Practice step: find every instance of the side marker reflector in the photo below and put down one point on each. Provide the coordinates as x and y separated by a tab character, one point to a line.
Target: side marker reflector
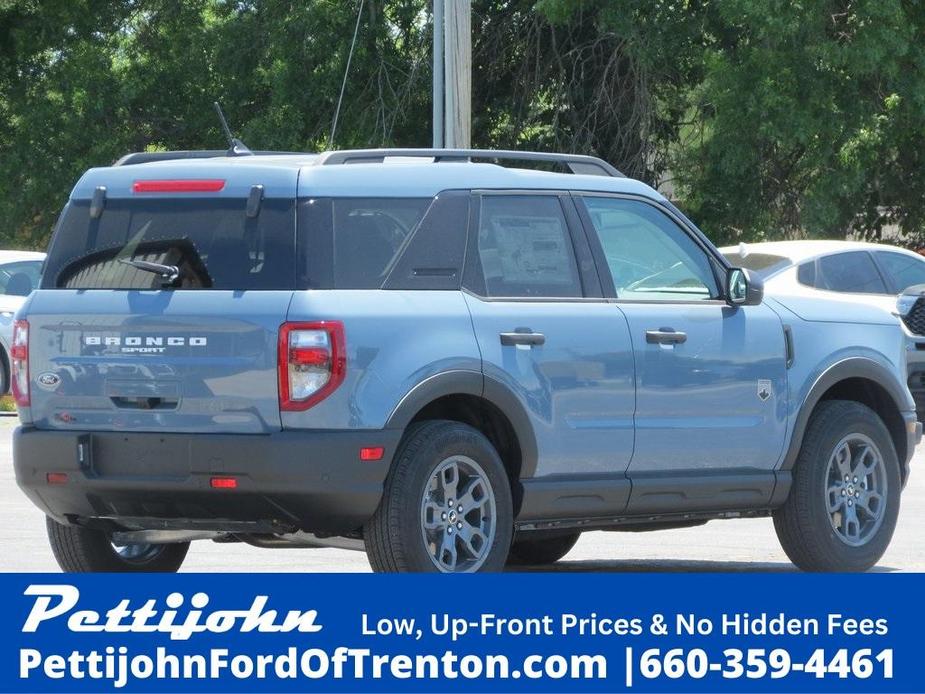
372	453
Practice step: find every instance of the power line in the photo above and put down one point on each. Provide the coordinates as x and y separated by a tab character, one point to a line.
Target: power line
343	84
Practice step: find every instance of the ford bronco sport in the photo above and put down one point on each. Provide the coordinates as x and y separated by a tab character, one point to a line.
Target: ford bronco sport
451	362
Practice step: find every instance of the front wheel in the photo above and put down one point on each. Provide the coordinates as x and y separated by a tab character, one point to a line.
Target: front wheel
84	550
446	506
842	509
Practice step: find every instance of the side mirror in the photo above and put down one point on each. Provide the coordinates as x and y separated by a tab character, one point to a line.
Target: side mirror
742	289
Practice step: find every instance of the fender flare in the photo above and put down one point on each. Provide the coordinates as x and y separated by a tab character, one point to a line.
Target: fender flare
852	367
465	382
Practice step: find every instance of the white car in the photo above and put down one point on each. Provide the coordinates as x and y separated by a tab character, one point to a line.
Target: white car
20	272
868	273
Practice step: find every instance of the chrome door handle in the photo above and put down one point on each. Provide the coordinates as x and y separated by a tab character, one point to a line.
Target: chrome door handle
523	338
665	336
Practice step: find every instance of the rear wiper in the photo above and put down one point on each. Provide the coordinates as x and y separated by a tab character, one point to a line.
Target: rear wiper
170	273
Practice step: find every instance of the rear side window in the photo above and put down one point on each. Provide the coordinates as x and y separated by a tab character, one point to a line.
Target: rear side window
369	237
806	273
905	270
525	249
850	272
213	243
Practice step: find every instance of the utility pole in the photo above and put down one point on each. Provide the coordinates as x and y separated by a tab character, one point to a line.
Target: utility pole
438	97
458	73
452	88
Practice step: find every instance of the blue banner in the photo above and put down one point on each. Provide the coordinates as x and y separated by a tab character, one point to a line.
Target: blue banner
491	633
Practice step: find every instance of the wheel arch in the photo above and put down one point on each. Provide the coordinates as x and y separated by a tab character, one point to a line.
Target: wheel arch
867	382
483	403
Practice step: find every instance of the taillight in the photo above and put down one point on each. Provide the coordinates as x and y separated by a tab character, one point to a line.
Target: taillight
19	362
312	363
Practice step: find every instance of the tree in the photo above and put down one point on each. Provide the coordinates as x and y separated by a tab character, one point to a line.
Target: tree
82	83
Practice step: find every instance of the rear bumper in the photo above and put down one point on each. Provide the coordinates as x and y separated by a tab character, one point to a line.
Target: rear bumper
312	481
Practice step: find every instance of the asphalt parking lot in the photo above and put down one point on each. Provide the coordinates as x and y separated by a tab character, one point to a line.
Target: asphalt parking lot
740	545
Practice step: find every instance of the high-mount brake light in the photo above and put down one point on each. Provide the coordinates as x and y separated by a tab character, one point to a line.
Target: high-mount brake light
312	363
190	185
19	363
223	483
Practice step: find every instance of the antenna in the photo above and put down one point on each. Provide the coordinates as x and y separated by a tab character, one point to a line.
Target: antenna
236	148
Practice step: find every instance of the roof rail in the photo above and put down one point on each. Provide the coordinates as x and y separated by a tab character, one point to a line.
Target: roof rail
576	163
145	157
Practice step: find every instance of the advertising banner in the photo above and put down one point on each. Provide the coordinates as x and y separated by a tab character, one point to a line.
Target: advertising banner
486	633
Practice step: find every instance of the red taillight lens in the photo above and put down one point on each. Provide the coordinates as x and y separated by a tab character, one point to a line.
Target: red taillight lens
19	363
198	185
56	478
312	363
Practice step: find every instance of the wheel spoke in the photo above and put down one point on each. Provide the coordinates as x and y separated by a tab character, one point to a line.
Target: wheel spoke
843	459
866	464
851	527
473	540
449	479
836	498
447	552
473	496
431	516
870	502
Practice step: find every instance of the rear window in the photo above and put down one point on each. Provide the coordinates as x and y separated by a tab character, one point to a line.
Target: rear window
212	243
850	272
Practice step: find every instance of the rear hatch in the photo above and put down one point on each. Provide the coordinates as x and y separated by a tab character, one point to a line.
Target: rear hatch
118	343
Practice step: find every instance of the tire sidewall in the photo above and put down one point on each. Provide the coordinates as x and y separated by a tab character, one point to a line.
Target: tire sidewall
443	442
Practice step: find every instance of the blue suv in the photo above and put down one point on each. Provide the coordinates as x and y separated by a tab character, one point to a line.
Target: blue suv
448	361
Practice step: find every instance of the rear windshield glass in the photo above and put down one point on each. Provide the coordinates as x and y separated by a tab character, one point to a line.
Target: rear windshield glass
212	244
761	264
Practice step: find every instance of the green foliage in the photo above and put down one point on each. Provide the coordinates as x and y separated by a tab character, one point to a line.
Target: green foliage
82	83
769	118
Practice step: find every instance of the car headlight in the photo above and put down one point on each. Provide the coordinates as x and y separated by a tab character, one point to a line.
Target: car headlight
905	302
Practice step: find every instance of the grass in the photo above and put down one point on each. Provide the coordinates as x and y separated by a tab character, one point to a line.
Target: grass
7	404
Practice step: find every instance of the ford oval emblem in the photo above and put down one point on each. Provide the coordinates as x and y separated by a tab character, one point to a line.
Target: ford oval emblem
48	380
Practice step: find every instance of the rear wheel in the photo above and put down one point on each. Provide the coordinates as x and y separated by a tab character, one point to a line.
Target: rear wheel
844	503
542	550
84	550
446	506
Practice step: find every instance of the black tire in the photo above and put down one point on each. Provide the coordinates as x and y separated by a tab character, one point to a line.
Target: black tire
83	550
541	551
804	524
394	535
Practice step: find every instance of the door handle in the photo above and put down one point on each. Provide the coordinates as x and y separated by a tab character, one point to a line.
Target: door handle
665	336
523	338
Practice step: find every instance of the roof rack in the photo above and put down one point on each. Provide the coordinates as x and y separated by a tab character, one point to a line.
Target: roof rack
576	163
145	157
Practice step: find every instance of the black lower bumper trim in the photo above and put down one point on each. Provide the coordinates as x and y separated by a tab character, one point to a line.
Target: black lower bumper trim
290	480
